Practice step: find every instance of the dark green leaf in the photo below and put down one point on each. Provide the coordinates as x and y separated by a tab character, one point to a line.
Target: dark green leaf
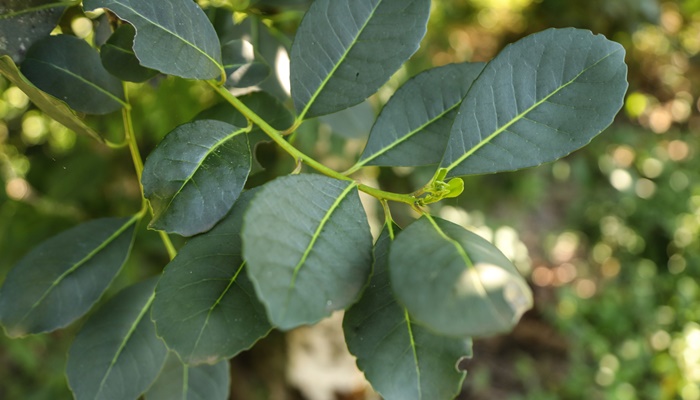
308	247
539	99
345	50
119	59
117	355
195	175
402	360
51	106
352	123
204	382
454	281
69	69
414	126
173	36
205	307
244	66
22	22
60	280
266	106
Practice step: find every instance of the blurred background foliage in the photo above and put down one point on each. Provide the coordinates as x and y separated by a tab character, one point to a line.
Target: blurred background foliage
608	237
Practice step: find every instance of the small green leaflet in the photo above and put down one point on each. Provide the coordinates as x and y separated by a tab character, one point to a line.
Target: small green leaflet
205	307
69	69
402	360
60	280
345	50
195	175
454	282
116	355
540	99
172	36
51	106
308	247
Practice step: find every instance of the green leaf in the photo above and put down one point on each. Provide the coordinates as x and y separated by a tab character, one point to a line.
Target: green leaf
116	355
308	247
118	56
172	36
265	105
195	175
60	280
455	282
51	106
539	99
402	360
414	126
23	22
178	381
345	50
69	69
352	123
205	307
244	66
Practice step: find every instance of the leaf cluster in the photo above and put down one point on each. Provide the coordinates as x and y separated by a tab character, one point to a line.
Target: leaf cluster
294	250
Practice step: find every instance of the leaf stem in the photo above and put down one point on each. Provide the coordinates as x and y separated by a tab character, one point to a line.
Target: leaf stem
130	139
277	137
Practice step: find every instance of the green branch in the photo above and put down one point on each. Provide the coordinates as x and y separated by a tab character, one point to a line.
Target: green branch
277	137
39	8
130	139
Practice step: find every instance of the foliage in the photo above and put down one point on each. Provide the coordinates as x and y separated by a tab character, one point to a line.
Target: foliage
290	251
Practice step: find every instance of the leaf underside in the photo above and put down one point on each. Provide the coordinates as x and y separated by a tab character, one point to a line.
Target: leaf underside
205	307
60	280
437	265
308	247
402	360
540	99
344	50
50	105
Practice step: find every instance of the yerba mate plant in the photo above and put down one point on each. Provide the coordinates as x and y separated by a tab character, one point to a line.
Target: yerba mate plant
295	249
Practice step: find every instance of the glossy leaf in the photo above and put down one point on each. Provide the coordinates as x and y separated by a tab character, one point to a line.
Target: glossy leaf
205	307
69	69
345	50
116	355
172	36
308	247
204	382
402	360
414	126
243	65
352	123
118	56
540	99
454	281
50	105
60	280
195	175
23	22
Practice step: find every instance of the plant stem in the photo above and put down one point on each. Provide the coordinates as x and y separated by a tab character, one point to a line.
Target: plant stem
130	139
277	137
39	8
